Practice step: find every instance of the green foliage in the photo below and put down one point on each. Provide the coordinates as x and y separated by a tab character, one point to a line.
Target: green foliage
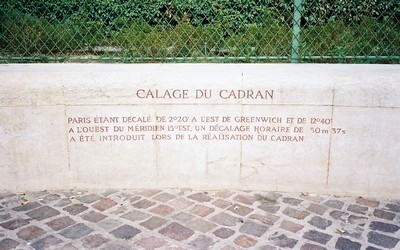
197	28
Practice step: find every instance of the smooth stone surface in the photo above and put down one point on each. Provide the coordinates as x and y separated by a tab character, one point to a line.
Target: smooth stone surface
334	129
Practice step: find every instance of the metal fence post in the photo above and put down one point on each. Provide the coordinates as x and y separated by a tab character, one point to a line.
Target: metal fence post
296	31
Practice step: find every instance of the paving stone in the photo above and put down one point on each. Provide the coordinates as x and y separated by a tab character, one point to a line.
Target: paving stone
316	208
30	233
291	226
201	225
366	202
200	197
283	241
384	227
221	203
4	217
63	203
357	209
313	198
228	247
95	240
90	198
269	209
245	199
294	213
202	243
42	213
176	231
346	244
75	209
118	246
153	223
268	219
151	242
162	210
252	228
164	197
224	232
223	194
50	198
382	240
316	236
268	198
201	210
309	246
267	248
393	207
338	215
109	192
27	207
240	210
130	198
149	192
60	223
320	222
76	231
14	223
334	204
69	246
180	203
384	214
225	219
109	224
104	204
357	220
125	232
7	244
46	243
292	201
354	232
135	215
93	216
245	241
6	195
183	217
143	204
372	248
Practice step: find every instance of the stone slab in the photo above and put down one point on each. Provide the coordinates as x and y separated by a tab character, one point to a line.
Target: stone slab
280	127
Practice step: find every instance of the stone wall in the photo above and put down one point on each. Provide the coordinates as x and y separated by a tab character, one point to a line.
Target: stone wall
298	128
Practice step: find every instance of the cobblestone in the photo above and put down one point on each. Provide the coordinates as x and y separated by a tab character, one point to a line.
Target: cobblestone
384	214
283	241
245	241
320	223
316	236
43	213
291	212
384	227
185	219
346	244
357	209
30	233
252	228
153	223
224	232
317	209
382	240
46	243
176	231
125	232
76	231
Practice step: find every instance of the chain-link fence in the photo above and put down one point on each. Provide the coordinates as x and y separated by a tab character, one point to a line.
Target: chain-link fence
357	31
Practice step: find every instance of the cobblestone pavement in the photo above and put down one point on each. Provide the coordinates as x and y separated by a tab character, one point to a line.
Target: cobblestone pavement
185	219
